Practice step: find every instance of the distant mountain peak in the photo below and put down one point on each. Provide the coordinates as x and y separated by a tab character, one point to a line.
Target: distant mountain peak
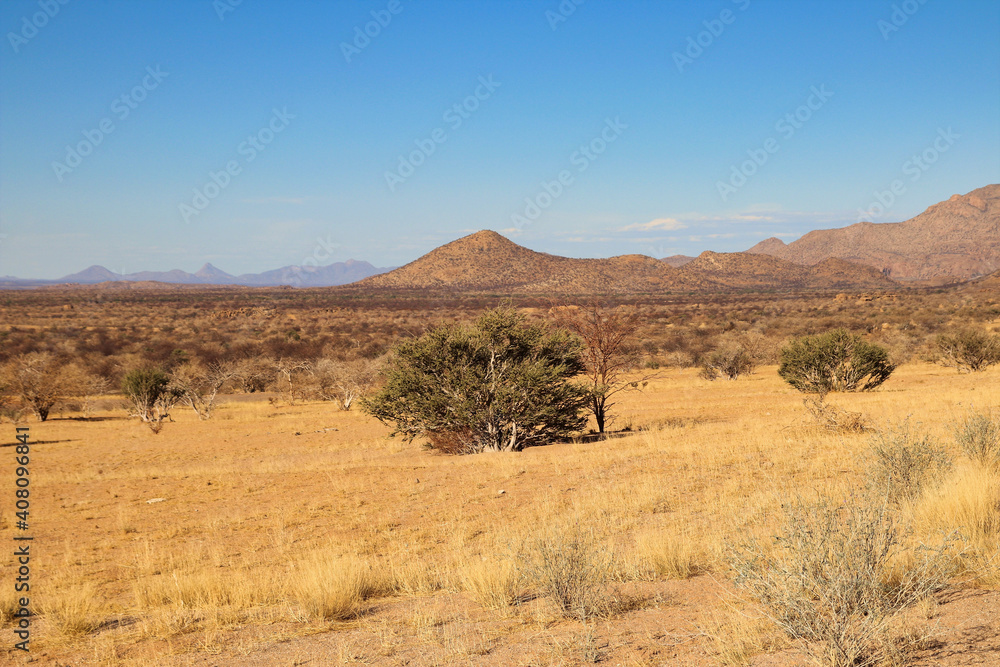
339	273
209	272
956	239
488	261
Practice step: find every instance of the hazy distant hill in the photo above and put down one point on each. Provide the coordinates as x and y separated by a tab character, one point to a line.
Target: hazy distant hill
747	271
339	273
955	239
677	261
488	261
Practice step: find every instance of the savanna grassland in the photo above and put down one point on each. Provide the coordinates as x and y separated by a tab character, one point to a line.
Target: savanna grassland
285	530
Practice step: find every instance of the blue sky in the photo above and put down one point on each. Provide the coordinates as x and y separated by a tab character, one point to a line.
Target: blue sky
252	135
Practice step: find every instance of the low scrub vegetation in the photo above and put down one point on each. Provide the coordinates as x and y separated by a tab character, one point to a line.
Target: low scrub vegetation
834	361
978	435
840	576
969	350
500	385
904	460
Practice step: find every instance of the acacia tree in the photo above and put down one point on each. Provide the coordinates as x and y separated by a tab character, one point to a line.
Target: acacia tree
198	385
149	396
834	361
608	353
343	381
969	350
499	385
40	380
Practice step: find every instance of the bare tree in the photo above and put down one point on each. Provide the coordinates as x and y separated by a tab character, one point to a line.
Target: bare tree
40	380
343	381
290	370
609	353
91	386
355	379
199	385
254	374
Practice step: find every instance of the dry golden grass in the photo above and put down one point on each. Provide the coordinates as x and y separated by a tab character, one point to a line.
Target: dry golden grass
494	583
968	502
329	588
273	526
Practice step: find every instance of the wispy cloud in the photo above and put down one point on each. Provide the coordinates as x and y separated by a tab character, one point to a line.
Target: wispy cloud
296	201
659	224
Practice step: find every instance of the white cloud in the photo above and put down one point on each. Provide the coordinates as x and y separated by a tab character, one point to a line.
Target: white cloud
276	200
660	224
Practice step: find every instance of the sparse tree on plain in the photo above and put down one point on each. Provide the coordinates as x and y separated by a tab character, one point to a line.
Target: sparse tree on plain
968	351
149	396
291	370
41	380
254	374
199	385
499	385
608	353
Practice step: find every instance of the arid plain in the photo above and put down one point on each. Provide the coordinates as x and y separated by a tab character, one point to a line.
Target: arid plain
286	531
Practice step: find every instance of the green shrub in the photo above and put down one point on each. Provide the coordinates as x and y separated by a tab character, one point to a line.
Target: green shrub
969	350
834	361
499	385
149	395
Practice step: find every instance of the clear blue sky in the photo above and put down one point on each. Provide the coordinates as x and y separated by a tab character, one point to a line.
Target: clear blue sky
662	130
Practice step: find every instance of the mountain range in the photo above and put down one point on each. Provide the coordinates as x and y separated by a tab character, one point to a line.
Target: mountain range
952	241
339	273
957	239
487	261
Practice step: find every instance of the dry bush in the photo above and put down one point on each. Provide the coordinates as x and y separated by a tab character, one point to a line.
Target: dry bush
969	351
902	461
978	434
494	584
198	385
728	362
831	418
254	374
40	380
567	566
736	355
343	381
839	578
